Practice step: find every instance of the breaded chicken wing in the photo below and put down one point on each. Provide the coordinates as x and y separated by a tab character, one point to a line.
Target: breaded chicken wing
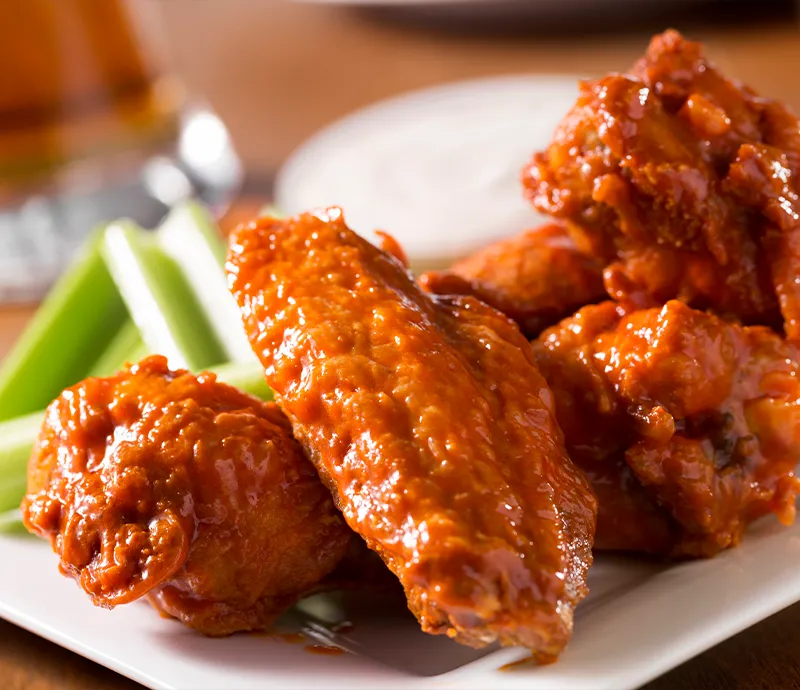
159	483
685	184
429	421
688	426
536	278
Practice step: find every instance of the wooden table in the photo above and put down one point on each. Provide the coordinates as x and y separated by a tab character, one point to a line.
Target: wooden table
278	71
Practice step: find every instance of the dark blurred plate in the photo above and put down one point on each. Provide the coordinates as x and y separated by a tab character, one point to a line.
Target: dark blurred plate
414	9
568	17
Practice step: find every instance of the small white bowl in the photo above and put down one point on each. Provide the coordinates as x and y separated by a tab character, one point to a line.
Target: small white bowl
438	168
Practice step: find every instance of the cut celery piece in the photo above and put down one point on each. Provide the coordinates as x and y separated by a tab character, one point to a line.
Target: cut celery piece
246	376
193	241
126	347
193	223
12	490
159	299
17	437
11	522
74	325
270	210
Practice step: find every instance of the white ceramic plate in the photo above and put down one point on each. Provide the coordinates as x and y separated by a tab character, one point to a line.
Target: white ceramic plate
639	621
438	169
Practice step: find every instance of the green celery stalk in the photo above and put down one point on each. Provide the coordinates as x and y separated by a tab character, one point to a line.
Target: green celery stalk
246	376
12	490
193	241
17	437
270	210
159	299
126	347
11	522
74	325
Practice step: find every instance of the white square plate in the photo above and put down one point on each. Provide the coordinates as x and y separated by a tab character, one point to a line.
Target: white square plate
639	621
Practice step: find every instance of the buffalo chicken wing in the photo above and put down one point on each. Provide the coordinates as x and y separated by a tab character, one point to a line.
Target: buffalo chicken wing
688	426
685	184
156	482
429	421
536	278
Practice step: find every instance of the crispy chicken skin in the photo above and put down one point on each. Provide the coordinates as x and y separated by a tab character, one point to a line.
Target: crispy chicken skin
429	421
536	278
688	426
684	183
156	482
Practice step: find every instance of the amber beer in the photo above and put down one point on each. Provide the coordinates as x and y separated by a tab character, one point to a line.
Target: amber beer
78	79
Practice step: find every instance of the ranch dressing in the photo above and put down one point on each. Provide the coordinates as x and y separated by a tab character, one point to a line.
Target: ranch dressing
438	169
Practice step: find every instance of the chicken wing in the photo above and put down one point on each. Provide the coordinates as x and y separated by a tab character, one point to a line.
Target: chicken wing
688	426
156	482
536	278
685	184
427	418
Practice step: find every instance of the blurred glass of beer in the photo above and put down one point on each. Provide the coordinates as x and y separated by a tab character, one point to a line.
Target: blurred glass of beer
92	127
79	78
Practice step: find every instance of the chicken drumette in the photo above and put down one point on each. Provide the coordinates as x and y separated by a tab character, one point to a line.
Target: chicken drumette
429	421
536	278
160	483
685	184
688	426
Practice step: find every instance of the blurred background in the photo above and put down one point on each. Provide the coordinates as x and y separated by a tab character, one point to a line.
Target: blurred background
124	107
277	71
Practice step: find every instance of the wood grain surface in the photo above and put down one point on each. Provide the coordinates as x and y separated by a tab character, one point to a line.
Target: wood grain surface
277	71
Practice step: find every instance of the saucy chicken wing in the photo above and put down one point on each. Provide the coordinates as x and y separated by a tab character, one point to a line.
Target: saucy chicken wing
536	278
429	421
688	426
160	483
685	184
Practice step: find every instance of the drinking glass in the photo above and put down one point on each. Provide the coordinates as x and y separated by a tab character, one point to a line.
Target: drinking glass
93	126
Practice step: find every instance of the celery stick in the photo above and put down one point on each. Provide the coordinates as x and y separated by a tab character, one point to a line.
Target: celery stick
12	490
247	377
11	522
126	347
17	437
76	322
193	241
159	299
271	211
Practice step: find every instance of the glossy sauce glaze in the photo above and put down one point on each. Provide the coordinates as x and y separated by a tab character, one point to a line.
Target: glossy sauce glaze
688	426
684	183
536	278
157	482
431	424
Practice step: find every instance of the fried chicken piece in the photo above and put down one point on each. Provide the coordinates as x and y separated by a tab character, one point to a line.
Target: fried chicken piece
536	278
685	184
159	483
688	426
429	421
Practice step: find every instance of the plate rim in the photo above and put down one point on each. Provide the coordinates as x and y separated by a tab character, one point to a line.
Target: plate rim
777	592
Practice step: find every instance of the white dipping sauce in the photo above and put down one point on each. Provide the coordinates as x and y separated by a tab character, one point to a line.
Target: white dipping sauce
438	169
